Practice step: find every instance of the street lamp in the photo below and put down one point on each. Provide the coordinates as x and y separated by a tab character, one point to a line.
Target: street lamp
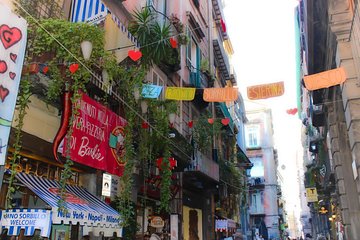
144	106
86	49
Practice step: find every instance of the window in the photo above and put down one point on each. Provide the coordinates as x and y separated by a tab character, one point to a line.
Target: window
258	169
193	58
159	6
252	136
157	80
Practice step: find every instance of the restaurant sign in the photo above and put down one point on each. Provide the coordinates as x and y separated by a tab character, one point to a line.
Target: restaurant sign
98	137
265	91
27	219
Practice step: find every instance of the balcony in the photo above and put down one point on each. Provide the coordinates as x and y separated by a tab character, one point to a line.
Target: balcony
221	59
199	79
256	182
203	164
257	209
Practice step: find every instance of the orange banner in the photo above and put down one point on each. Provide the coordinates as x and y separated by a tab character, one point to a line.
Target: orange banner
227	94
265	91
325	79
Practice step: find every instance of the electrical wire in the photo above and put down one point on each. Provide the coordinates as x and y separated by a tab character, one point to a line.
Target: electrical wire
100	80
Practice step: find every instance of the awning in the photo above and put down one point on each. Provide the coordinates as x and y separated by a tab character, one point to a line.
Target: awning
224	225
95	11
83	207
87	10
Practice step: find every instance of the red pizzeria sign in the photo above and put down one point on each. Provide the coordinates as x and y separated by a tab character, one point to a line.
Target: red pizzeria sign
98	137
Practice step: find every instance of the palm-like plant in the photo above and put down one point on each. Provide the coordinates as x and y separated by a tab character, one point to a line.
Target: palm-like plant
152	36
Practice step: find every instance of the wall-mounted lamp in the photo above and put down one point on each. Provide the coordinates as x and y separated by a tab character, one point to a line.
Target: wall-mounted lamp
136	94
172	117
144	106
86	49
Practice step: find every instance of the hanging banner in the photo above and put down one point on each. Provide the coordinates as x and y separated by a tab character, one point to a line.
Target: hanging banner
98	137
227	94
265	91
325	79
178	93
27	219
13	31
151	91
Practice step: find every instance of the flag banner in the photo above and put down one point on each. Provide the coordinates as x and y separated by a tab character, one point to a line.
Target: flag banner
179	93
98	137
227	94
264	91
151	91
13	34
325	79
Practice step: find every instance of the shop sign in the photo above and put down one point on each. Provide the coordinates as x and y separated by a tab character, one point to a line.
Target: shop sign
13	31
265	91
27	219
174	227
84	217
157	222
106	185
311	195
98	137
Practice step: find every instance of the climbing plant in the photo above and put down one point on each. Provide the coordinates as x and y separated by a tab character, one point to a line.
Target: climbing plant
22	103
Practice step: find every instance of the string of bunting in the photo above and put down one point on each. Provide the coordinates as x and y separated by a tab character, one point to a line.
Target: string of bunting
227	94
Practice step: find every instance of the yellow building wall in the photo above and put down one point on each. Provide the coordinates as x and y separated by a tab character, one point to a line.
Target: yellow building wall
115	38
186	225
41	120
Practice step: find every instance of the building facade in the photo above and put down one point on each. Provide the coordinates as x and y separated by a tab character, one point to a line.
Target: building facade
206	185
263	185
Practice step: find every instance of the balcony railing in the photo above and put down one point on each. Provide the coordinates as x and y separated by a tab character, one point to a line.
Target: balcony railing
203	164
257	210
258	181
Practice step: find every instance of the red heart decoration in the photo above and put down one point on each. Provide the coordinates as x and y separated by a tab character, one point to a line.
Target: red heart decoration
9	36
190	124
145	125
3	93
173	42
12	75
134	55
3	66
45	69
210	120
13	57
225	121
294	111
74	67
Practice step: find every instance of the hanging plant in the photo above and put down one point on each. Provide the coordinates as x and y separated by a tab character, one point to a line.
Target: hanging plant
153	38
22	103
204	131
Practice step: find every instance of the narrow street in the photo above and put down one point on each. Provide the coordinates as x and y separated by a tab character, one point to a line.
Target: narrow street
179	120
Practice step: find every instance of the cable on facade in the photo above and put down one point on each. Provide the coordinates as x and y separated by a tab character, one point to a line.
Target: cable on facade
98	78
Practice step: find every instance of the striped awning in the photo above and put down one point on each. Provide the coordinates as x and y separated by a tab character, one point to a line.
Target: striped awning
82	207
95	11
86	10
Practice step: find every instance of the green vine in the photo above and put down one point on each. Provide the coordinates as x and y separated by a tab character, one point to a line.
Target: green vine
22	103
203	132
